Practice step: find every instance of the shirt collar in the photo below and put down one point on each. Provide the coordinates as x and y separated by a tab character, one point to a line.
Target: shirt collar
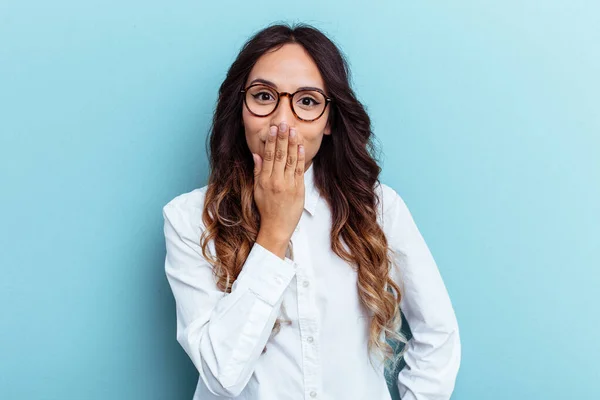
311	193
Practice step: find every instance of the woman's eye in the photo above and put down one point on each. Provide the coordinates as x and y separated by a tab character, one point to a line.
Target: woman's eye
308	101
262	96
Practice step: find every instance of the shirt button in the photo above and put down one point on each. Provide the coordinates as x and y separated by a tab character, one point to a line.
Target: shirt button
313	394
278	280
296	229
309	340
305	283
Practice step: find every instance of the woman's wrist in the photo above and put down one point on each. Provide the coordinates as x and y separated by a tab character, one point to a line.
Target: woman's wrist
276	244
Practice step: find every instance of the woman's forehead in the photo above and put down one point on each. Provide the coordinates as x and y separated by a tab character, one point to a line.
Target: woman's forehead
287	68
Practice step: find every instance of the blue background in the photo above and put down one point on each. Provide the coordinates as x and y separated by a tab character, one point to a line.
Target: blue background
488	113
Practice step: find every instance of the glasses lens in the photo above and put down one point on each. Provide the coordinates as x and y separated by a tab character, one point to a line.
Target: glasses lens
309	104
261	100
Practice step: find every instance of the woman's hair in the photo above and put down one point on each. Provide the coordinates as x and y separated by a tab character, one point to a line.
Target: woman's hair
230	214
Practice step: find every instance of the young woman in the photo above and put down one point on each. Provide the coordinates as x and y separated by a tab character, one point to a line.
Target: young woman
290	268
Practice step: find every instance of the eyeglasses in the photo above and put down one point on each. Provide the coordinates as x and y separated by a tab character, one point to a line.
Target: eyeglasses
307	105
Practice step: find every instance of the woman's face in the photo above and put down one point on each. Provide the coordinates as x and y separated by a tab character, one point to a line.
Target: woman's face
288	68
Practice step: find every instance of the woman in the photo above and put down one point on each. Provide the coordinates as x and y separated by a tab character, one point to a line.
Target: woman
290	268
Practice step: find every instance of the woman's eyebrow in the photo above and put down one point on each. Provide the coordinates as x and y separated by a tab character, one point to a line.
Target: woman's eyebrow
267	82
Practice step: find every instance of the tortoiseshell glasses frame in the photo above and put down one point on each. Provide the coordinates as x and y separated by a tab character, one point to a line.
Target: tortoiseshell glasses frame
290	96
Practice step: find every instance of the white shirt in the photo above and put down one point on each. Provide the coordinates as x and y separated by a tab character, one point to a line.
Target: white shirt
322	354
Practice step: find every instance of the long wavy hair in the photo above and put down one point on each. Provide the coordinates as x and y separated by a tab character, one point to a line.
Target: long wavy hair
230	215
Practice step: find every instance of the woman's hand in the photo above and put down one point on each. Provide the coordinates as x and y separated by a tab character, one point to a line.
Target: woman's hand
279	187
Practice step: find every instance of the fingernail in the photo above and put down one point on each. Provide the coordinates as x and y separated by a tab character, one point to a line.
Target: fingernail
283	127
292	132
273	131
301	149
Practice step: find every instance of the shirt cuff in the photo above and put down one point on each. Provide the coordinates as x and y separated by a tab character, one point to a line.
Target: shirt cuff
266	274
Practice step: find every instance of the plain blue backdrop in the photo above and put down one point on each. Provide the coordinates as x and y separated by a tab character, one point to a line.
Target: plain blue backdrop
488	115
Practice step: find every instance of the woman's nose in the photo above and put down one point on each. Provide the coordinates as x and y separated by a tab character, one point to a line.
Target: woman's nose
284	113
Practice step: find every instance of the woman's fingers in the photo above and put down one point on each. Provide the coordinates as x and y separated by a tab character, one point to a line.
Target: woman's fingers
300	164
269	155
281	151
284	156
292	155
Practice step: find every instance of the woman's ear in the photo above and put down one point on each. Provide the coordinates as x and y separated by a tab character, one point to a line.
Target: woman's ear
327	130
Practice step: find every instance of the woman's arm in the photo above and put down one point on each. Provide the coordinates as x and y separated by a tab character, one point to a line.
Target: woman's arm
434	352
223	334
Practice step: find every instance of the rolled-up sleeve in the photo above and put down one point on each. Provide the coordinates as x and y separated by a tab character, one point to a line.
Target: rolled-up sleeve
433	353
222	333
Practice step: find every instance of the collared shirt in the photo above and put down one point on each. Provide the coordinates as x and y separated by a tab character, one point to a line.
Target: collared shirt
321	354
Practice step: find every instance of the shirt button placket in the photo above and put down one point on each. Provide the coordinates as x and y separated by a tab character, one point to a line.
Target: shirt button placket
308	324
